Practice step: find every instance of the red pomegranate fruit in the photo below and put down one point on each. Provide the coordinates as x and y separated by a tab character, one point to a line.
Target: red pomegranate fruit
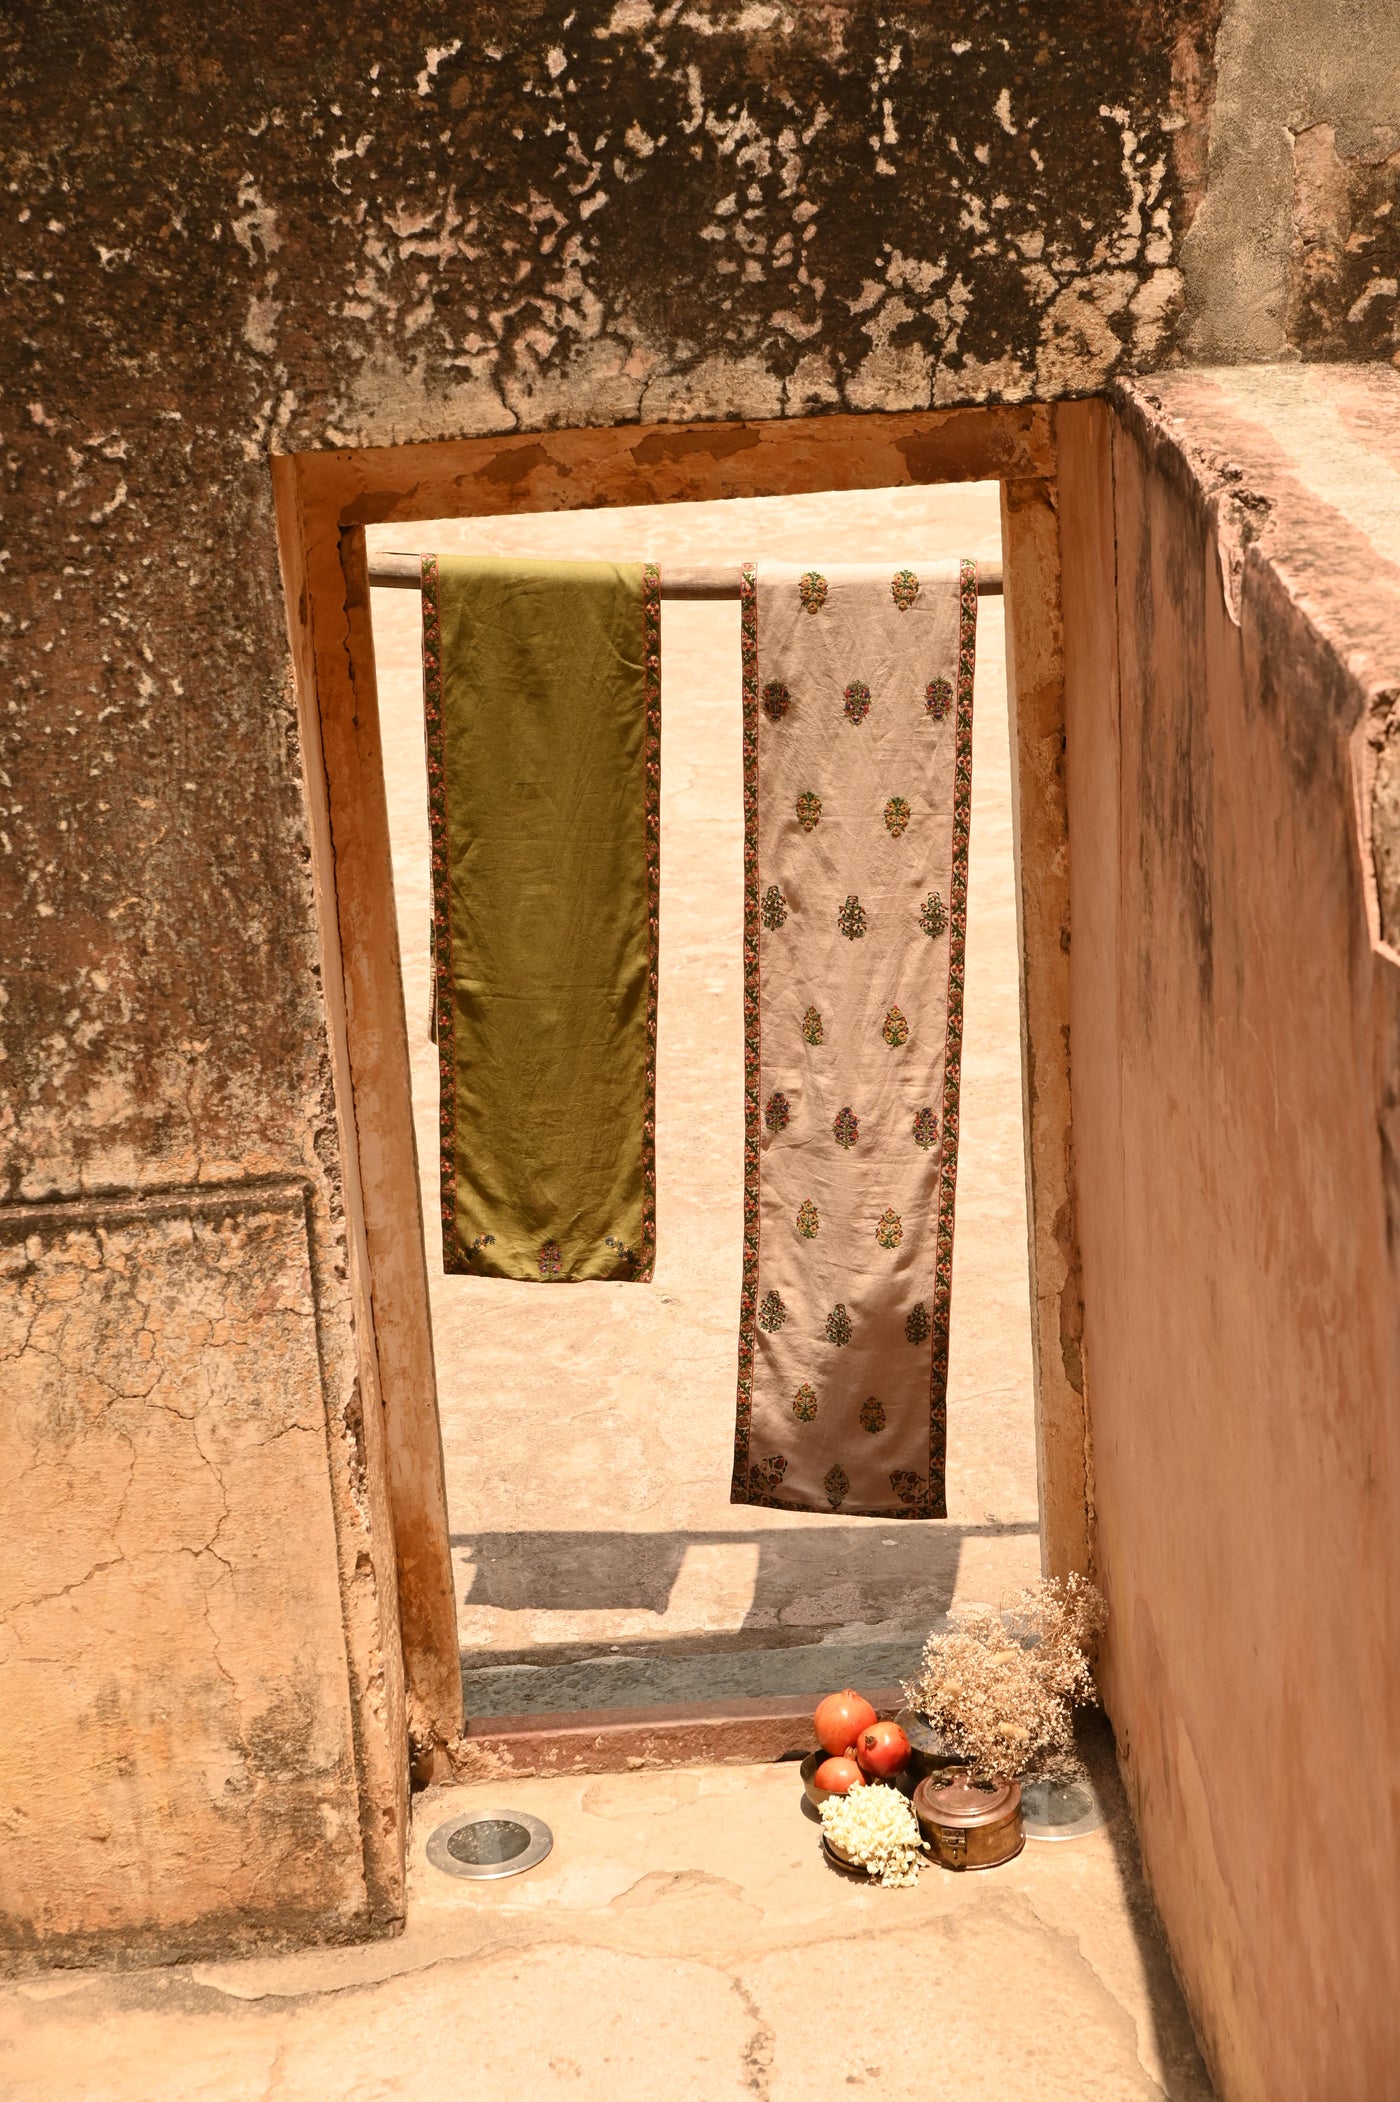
883	1750
839	1720
839	1776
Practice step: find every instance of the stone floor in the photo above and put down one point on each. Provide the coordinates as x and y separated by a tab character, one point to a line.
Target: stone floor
588	1433
685	1938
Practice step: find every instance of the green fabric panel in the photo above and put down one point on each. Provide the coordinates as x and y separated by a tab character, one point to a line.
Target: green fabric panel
542	688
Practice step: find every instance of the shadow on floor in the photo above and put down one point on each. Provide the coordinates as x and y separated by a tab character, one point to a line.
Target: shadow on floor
1186	2077
779	1583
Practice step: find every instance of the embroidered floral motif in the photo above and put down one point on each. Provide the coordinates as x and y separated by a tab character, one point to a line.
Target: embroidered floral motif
809	810
808	1220
857	701
483	1240
838	1326
933	915
811	1027
626	1256
904	589
550	1257
938	697
776	700
811	589
777	1111
889	1229
896	1029
853	918
896	816
910	1488
925	1128
766	1476
836	1484
917	1328
771	1312
804	1403
872	1415
846	1129
774	908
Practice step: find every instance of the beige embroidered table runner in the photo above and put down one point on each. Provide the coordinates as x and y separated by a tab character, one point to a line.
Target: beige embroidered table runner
857	791
542	692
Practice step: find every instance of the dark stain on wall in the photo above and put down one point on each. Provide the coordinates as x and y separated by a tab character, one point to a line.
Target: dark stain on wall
1344	257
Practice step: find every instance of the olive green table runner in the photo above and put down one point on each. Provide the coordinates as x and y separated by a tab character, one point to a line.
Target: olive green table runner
857	796
542	695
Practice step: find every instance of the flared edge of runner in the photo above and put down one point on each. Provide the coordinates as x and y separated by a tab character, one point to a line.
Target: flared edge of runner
740	1491
952	1055
453	1260
651	791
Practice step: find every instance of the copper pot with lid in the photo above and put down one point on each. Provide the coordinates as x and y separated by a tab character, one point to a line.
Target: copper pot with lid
967	1823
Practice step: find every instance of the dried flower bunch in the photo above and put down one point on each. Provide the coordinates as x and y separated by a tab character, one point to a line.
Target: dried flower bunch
876	1829
1001	1687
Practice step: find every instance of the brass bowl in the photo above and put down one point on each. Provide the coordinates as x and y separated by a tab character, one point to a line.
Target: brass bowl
840	1857
906	1782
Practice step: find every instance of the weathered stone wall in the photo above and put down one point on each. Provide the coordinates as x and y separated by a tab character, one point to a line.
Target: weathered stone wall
1296	246
165	1425
1232	620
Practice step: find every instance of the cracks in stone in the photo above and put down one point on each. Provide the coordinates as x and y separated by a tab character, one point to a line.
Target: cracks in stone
47	1598
758	2051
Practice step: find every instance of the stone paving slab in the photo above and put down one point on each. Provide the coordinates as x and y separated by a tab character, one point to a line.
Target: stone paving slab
685	1937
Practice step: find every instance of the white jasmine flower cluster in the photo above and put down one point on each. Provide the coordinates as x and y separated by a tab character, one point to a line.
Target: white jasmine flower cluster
876	1828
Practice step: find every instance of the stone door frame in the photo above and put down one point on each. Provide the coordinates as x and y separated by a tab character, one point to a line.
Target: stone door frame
324	502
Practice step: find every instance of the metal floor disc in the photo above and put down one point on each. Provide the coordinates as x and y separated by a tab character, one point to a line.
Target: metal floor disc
485	1844
1059	1810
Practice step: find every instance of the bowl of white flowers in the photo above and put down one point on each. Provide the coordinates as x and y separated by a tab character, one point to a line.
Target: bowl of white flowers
874	1829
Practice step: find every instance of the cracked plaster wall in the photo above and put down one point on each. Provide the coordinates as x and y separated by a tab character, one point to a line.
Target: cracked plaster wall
178	1760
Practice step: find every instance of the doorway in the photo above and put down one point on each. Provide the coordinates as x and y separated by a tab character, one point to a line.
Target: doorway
325	503
587	1434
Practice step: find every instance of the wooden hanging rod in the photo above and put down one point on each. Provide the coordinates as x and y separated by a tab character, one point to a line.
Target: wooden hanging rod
677	581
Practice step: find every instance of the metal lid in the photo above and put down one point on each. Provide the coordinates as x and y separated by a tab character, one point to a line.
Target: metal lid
963	1801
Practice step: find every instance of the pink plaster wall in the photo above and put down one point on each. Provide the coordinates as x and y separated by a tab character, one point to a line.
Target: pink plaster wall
1235	1057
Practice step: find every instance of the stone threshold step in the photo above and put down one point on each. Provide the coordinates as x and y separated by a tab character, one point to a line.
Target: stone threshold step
637	1678
622	1740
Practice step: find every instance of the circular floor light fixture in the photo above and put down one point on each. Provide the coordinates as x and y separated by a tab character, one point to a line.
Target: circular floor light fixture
484	1844
1059	1810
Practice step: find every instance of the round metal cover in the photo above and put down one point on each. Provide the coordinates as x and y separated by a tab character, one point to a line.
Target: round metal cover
489	1843
1059	1810
963	1801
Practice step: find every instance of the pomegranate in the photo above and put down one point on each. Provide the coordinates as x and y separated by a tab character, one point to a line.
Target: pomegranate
883	1750
839	1720
839	1776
